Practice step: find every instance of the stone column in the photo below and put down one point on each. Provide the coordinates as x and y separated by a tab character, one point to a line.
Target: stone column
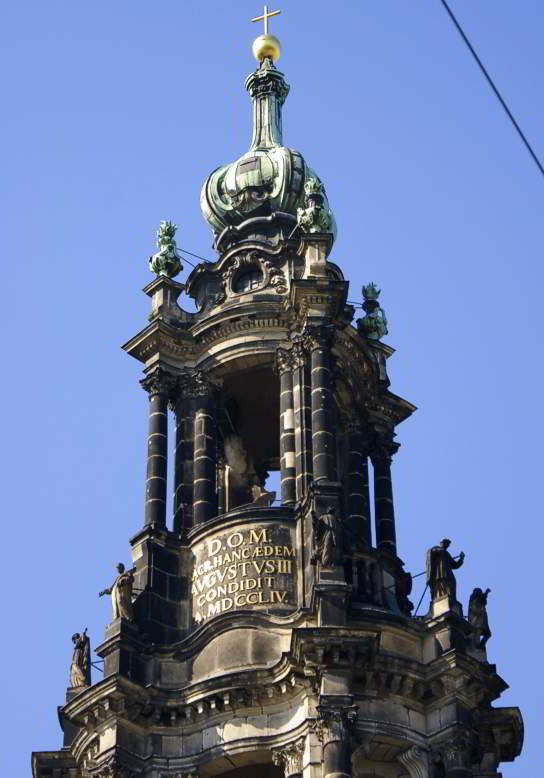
303	419
158	385
179	406
205	451
358	495
287	428
221	487
381	455
323	438
289	758
333	728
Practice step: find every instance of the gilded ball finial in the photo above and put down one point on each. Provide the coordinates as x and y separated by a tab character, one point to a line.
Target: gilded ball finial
266	46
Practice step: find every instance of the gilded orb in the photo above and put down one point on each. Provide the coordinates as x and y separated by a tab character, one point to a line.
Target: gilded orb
266	46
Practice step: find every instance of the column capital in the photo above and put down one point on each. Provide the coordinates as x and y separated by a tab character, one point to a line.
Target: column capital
456	752
334	724
298	352
284	360
197	384
383	446
158	382
289	757
318	336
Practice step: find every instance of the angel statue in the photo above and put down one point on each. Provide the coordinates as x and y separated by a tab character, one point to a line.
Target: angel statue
80	669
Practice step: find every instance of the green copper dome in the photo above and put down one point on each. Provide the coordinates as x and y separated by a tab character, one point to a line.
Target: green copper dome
269	179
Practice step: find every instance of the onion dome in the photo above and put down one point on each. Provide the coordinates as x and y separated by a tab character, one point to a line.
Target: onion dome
268	180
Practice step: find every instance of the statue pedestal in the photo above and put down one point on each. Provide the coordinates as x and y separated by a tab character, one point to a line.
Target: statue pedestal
332	593
121	627
444	605
73	691
334	575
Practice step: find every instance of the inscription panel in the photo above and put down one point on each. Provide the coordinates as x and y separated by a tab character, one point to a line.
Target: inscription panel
249	567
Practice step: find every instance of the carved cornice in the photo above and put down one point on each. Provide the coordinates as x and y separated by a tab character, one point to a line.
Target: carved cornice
289	757
223	331
113	766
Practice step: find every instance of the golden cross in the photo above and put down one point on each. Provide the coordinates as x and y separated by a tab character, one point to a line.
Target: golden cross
265	17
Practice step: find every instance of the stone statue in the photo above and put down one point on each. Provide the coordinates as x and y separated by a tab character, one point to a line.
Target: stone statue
121	594
477	616
440	567
374	324
315	216
80	669
328	538
243	477
166	262
261	497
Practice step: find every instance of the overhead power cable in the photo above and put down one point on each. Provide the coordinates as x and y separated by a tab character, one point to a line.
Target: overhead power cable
493	87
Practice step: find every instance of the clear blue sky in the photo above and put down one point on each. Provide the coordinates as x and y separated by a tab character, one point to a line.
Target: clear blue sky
114	113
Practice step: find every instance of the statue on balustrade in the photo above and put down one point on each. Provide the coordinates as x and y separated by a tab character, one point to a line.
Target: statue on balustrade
328	538
80	669
440	566
121	594
477	616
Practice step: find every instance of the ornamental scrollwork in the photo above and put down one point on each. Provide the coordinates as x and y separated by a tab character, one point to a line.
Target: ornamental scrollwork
416	761
271	275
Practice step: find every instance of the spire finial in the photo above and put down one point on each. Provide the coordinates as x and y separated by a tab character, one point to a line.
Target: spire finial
266	46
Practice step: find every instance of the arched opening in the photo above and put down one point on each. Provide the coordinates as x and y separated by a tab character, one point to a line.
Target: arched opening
249	764
249	424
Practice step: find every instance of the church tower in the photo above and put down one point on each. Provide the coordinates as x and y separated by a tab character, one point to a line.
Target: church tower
264	634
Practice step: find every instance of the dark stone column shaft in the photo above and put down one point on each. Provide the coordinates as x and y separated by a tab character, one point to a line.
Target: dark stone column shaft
181	517
358	494
287	429
187	454
323	438
204	459
386	539
221	488
158	385
303	421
